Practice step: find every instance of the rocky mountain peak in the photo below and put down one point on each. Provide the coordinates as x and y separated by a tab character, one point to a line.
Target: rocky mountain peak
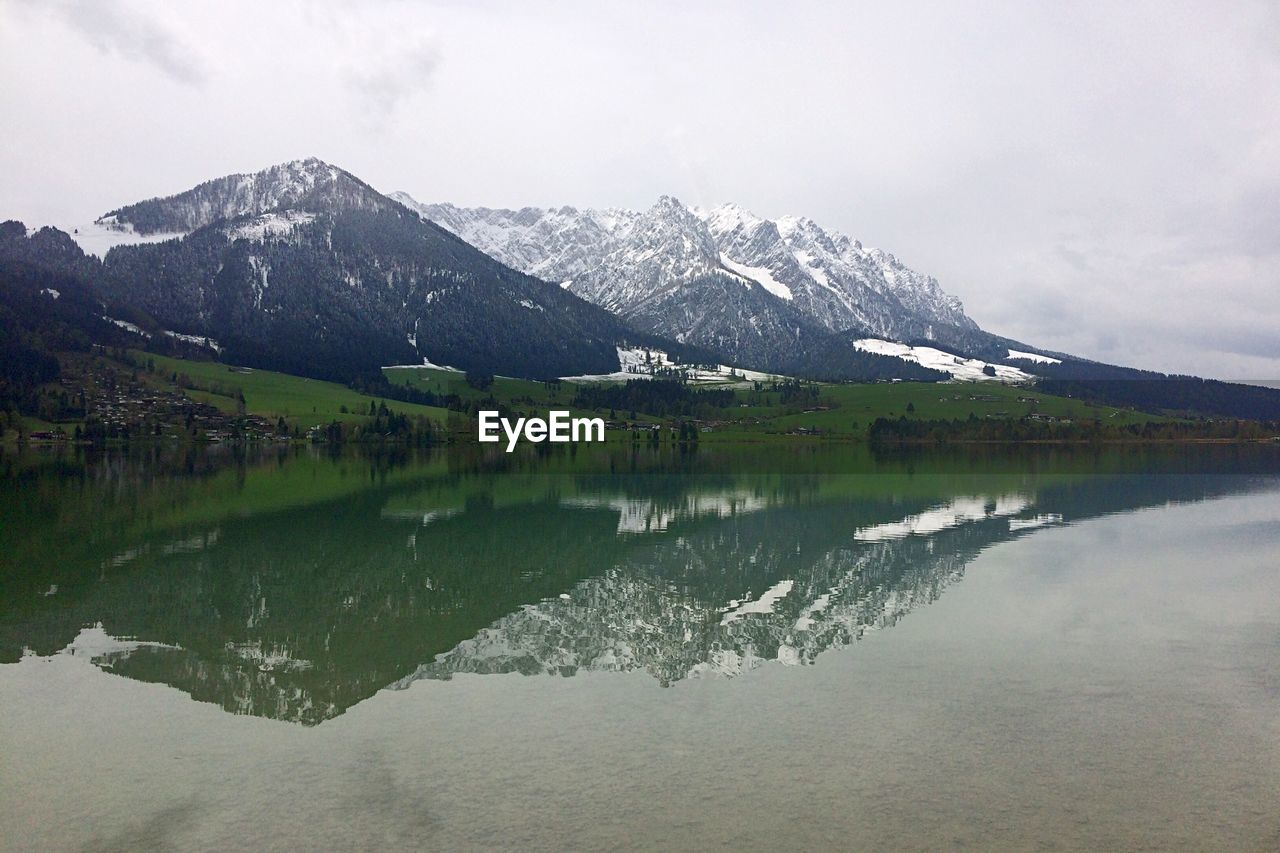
787	273
308	185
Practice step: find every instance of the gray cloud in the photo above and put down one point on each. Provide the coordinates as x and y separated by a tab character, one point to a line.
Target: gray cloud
395	76
120	28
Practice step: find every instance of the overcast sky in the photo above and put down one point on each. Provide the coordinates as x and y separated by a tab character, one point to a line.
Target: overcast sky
1100	179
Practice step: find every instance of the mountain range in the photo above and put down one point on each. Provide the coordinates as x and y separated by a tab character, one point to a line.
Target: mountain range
723	278
756	293
627	260
305	268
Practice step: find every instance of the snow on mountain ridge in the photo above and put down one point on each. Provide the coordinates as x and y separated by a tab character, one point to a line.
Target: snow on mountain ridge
625	260
309	185
834	278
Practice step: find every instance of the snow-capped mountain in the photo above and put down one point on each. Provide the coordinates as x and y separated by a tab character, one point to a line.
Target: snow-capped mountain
659	269
303	267
721	278
309	185
830	277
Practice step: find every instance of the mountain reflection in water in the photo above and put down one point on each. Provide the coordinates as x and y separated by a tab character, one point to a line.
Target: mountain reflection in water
324	589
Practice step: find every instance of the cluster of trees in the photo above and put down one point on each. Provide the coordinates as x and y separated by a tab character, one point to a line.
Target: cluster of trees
375	384
686	432
23	369
96	431
10	419
683	434
796	393
658	397
388	425
36	325
912	431
395	427
479	380
1175	394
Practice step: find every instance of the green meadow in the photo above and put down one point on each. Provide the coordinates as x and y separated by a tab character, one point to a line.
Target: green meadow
273	395
838	409
759	411
504	388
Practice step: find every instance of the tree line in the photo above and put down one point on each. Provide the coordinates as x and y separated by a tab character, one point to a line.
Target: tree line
903	430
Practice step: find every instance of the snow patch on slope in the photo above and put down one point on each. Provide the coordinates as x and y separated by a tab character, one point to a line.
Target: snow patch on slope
127	326
758	274
198	340
99	238
1033	356
267	225
965	369
426	362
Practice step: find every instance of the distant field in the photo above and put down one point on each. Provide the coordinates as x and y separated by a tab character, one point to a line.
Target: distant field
842	406
274	395
760	410
504	388
839	409
523	394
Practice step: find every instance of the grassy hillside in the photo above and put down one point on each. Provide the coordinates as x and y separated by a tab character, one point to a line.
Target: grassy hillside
525	395
723	412
756	410
504	388
273	395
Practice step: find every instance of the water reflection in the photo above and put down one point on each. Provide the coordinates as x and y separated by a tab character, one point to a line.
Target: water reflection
294	588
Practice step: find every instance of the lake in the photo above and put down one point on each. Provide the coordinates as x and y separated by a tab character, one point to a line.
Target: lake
748	648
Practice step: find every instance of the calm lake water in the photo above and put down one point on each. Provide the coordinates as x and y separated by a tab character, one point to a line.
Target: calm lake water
746	649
